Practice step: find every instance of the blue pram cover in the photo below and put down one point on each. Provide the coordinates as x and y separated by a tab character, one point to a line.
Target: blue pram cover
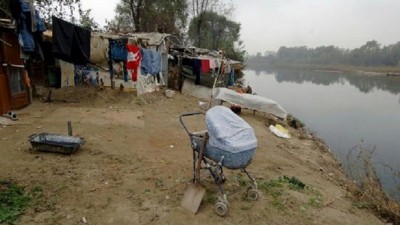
230	137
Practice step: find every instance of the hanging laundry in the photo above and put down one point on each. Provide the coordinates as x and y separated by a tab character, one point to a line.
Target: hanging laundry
151	62
218	64
133	60
212	63
26	39
156	61
205	66
164	66
28	23
197	70
187	62
118	50
118	69
232	77
118	53
146	61
70	43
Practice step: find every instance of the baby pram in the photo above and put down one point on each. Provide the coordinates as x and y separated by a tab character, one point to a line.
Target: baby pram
230	143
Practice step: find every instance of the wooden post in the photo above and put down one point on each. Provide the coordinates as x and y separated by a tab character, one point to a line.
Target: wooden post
69	128
220	71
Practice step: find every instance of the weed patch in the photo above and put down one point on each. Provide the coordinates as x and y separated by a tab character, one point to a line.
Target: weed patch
210	197
278	190
13	201
315	201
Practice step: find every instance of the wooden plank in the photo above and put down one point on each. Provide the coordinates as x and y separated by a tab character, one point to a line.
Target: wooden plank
5	102
37	73
11	54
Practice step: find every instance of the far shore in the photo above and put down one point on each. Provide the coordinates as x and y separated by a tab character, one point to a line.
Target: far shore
364	70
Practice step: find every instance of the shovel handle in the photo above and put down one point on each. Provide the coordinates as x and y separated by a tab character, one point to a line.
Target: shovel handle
200	158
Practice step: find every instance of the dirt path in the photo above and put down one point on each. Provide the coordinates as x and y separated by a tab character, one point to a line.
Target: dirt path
137	160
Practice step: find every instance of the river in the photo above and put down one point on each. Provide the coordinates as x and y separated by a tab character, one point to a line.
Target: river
343	110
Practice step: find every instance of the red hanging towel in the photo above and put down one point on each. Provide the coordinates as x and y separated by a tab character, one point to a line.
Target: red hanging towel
205	66
133	60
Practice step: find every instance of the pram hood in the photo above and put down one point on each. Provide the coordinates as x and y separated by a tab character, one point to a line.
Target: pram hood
228	131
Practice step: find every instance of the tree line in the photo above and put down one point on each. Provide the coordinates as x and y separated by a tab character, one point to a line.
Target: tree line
369	54
201	23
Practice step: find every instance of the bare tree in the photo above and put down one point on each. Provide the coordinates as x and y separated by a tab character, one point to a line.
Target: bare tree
136	8
149	15
64	9
5	9
199	8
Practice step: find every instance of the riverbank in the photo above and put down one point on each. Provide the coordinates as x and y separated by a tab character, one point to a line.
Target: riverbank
136	163
364	70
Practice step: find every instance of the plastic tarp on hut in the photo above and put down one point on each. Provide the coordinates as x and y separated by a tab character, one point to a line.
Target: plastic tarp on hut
151	39
249	101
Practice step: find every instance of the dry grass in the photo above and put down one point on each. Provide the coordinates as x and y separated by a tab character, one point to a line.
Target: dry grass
368	191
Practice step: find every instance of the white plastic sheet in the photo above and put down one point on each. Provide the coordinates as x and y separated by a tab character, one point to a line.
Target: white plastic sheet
146	84
67	74
278	132
249	101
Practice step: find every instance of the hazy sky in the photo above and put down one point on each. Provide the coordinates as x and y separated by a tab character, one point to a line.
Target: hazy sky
270	24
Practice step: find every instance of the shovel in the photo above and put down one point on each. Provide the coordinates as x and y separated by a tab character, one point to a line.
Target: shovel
194	192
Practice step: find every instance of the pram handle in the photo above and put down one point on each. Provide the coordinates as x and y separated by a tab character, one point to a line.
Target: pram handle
187	115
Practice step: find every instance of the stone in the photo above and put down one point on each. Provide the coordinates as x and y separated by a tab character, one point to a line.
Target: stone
43	217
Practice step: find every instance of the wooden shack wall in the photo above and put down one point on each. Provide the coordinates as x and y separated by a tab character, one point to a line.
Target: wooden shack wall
5	101
11	55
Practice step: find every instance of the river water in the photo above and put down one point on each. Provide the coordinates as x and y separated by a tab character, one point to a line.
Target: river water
343	110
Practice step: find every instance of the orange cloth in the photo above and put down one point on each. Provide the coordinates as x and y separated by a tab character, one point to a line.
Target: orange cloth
27	79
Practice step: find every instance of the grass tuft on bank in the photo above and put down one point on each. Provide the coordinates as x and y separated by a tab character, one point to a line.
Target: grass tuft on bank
369	191
14	200
290	192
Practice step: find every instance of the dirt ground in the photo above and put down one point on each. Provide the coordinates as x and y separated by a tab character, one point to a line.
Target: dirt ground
136	163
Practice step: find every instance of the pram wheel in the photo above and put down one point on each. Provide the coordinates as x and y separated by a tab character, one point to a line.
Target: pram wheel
252	194
221	208
220	178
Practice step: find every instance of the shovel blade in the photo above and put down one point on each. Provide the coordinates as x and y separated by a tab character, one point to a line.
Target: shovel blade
192	198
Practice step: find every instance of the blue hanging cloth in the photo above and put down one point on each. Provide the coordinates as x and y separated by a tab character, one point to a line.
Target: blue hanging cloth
232	77
151	62
197	70
118	52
